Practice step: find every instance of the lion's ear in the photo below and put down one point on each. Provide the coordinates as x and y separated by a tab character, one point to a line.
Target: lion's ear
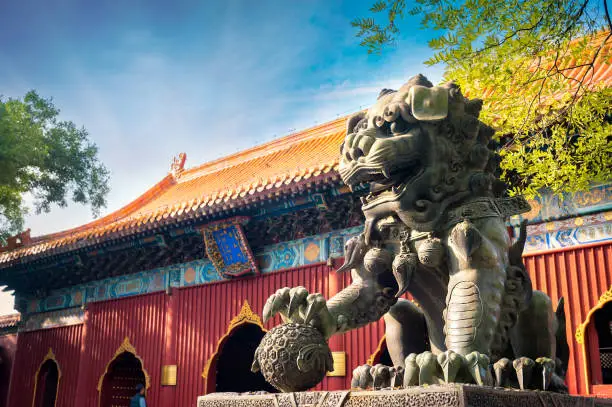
428	103
353	120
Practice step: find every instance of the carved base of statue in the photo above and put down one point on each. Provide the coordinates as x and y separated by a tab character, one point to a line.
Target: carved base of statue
431	396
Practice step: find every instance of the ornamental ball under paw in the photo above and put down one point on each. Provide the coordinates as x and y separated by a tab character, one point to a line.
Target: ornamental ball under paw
293	357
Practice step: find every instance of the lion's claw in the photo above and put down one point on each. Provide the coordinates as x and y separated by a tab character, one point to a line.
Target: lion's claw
502	370
411	371
298	306
524	369
450	362
379	377
362	377
316	305
450	367
478	366
428	368
297	299
547	368
525	373
446	367
276	303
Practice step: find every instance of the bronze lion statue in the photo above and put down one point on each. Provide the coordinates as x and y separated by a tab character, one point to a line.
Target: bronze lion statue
435	227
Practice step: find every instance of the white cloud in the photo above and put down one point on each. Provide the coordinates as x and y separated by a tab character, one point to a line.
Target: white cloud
147	106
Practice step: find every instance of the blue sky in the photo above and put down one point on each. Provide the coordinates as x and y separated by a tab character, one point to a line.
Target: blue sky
152	79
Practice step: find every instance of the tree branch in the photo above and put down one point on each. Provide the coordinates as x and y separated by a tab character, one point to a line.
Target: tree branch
576	19
514	34
605	4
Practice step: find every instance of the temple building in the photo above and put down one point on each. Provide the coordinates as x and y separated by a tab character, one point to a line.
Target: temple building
168	290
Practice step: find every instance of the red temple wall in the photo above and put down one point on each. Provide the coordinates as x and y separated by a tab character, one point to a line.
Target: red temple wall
141	319
198	333
8	347
185	328
33	347
581	275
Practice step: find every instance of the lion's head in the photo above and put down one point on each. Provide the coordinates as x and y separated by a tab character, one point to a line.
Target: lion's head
421	148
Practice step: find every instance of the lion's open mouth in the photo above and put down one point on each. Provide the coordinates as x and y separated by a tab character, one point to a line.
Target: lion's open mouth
386	183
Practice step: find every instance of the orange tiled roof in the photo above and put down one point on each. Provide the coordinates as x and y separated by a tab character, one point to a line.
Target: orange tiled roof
9	321
254	174
599	74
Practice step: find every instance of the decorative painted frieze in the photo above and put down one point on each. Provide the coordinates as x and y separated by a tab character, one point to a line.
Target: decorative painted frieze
580	230
272	258
302	252
53	319
549	207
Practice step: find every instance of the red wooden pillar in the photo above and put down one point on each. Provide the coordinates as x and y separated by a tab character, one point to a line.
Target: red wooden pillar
167	392
336	342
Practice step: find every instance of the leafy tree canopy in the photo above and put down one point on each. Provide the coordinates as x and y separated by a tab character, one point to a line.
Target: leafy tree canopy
46	157
533	62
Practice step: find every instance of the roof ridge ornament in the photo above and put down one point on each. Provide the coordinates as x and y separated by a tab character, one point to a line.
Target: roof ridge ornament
16	241
178	165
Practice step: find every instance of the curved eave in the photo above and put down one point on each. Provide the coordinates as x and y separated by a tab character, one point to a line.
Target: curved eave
197	211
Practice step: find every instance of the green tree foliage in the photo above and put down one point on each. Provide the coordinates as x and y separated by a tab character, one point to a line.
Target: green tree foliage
533	62
46	157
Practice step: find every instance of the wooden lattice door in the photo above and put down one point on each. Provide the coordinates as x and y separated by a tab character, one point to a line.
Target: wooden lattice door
119	384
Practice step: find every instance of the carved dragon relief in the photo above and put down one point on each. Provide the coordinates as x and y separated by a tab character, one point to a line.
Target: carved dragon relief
435	226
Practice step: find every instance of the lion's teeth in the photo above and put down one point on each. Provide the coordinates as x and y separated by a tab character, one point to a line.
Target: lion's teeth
386	172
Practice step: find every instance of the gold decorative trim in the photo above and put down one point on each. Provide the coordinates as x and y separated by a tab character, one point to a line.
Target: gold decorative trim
339	359
125	346
168	375
378	350
49	356
580	334
245	316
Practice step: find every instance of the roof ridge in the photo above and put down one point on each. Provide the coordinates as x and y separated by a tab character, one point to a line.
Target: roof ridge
261	150
126	210
133	208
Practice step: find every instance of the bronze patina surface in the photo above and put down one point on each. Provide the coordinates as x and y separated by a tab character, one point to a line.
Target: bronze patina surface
434	227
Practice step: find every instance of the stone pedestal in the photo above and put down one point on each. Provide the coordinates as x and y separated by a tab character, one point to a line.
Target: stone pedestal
432	396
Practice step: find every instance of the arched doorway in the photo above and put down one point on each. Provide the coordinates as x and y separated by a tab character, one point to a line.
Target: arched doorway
602	335
118	383
233	367
595	338
5	375
229	368
46	382
381	354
